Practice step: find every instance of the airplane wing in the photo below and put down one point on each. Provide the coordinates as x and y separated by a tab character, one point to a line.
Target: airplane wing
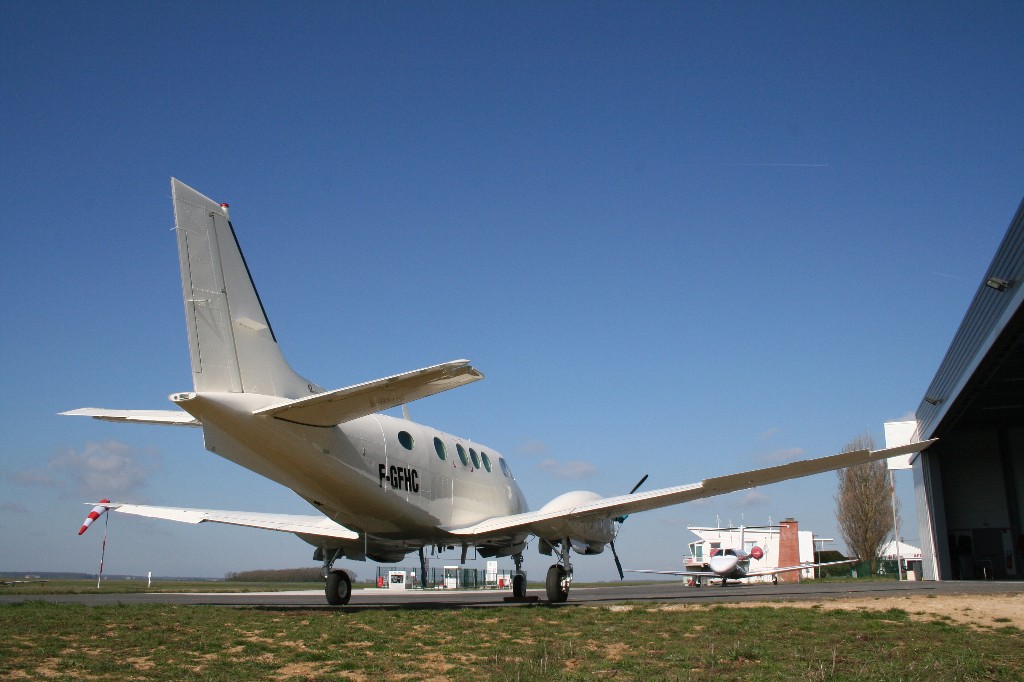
289	523
685	574
553	523
748	574
345	404
786	569
162	417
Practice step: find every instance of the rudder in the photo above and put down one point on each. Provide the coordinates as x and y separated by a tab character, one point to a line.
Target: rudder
231	343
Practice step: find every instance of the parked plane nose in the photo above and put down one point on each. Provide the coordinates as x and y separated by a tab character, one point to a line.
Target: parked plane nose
723	564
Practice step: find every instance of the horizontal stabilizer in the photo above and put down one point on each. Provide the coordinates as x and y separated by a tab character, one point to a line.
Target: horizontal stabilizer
288	523
345	404
163	417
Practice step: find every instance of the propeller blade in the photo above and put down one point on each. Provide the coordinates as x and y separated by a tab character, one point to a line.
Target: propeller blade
639	483
620	519
618	565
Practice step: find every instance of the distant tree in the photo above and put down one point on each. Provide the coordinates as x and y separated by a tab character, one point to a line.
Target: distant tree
864	504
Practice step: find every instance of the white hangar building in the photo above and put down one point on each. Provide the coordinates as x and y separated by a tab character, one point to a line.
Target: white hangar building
970	485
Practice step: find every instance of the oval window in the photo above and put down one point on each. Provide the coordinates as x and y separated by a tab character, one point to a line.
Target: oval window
476	460
442	453
486	460
405	438
462	454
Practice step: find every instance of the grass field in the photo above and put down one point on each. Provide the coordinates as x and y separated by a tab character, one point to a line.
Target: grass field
133	586
159	642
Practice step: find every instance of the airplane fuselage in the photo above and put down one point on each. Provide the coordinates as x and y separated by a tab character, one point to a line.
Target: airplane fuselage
377	474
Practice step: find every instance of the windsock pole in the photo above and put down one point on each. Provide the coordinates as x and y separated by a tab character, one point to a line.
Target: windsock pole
103	552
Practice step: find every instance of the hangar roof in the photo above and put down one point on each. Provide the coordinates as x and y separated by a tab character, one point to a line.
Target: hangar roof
980	383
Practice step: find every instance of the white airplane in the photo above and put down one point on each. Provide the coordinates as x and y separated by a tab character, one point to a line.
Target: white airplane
734	564
382	486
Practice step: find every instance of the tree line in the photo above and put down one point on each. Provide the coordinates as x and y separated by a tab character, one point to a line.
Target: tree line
281	575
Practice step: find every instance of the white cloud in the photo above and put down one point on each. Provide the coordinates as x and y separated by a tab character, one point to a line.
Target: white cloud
107	469
781	456
754	499
37	476
573	470
533	447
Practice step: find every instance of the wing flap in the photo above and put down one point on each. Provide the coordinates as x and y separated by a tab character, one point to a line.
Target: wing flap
345	404
805	467
552	523
162	417
288	523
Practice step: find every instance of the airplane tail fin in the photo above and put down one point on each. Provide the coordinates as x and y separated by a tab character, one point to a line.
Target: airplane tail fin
231	343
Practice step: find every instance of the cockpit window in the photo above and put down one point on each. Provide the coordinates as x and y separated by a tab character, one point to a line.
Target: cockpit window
504	467
462	454
405	438
442	453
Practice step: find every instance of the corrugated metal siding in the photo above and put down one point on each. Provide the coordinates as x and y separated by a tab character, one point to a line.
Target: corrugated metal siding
985	315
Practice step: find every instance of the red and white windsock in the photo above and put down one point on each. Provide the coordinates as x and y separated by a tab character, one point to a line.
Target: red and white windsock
96	512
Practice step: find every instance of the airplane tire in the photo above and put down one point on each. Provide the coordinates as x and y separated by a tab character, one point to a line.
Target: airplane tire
338	589
518	586
556	592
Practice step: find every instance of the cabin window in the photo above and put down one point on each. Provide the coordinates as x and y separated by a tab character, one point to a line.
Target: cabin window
442	453
405	438
486	460
462	454
476	460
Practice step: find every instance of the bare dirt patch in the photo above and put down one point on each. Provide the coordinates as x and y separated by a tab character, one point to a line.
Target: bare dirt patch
978	610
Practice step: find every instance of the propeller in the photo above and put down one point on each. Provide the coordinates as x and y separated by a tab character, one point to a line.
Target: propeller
620	519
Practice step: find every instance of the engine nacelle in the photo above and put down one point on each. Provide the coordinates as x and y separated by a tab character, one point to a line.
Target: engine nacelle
585	536
573	498
586	547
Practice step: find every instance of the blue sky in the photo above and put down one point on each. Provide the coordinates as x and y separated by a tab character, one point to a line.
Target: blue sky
682	239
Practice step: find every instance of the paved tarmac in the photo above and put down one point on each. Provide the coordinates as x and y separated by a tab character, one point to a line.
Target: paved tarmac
653	592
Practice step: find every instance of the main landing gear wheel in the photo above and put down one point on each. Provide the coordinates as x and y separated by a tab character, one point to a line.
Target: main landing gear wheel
519	586
339	588
557	589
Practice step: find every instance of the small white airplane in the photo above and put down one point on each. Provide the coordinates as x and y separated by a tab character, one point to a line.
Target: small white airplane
382	486
734	564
